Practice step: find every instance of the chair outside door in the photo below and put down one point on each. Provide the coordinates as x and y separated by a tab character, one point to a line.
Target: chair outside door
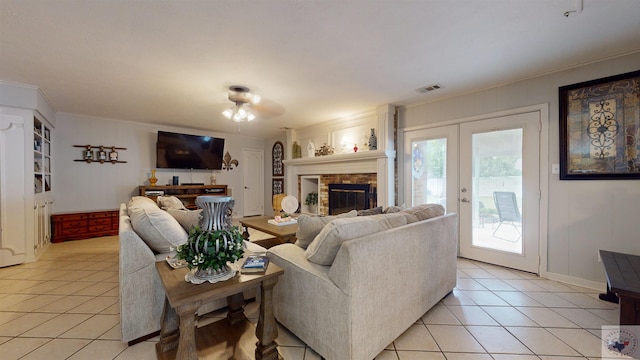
508	211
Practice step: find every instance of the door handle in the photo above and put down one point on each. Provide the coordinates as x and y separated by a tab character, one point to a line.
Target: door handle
246	187
465	200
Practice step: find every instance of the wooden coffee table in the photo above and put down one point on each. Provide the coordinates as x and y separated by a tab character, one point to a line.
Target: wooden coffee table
183	300
283	234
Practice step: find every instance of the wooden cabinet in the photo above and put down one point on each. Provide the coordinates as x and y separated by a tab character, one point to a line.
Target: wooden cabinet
186	193
84	225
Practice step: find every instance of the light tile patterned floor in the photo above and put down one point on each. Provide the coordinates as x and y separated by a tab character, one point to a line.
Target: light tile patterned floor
65	306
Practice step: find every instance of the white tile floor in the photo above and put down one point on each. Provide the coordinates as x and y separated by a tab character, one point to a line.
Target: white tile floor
65	306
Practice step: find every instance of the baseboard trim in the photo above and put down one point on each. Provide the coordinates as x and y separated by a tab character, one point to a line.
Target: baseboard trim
595	285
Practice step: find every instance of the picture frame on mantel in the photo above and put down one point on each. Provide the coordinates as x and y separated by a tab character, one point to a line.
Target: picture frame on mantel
600	129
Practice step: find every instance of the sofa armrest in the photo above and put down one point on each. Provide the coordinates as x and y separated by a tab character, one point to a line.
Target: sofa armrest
292	257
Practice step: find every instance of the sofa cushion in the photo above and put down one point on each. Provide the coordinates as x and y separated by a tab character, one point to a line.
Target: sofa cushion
310	226
170	202
159	230
425	211
137	203
186	218
368	212
325	246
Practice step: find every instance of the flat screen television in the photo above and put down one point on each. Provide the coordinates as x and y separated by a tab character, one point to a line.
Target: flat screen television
182	151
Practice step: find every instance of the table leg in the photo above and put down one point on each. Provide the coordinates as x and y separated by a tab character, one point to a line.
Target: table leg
235	304
267	331
169	332
187	345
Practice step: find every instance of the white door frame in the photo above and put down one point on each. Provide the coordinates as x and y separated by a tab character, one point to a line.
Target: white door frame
543	109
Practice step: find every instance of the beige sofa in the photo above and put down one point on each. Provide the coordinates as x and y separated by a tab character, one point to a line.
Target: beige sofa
141	293
366	285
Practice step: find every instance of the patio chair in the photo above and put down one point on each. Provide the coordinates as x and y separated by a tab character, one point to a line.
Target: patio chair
508	211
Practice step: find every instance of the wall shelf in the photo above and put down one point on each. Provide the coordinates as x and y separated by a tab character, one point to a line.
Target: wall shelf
101	155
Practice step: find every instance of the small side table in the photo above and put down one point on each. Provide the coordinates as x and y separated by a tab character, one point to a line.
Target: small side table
623	283
183	300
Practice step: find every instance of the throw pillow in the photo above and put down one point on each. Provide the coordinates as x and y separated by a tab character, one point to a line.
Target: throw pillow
138	203
170	202
159	230
369	212
187	218
394	209
425	211
325	246
310	226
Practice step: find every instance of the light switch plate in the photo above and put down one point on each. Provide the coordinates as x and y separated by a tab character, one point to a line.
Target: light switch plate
555	169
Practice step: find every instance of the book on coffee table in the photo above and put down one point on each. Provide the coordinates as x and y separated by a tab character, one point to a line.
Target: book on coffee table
255	264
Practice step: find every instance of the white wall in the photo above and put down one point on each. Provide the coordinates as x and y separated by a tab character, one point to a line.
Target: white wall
584	216
79	186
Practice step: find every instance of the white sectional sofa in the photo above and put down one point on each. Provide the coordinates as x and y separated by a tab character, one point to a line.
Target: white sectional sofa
362	281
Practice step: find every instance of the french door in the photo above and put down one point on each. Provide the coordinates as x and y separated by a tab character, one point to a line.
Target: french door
488	172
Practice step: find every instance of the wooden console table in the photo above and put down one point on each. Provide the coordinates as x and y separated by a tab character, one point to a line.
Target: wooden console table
84	225
186	193
623	280
183	300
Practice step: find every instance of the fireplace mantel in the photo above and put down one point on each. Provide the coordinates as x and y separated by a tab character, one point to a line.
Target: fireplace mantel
348	158
376	161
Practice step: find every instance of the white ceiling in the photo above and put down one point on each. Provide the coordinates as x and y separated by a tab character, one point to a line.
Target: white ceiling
171	62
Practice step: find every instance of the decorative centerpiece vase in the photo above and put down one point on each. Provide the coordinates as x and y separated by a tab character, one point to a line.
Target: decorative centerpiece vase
153	179
373	140
208	254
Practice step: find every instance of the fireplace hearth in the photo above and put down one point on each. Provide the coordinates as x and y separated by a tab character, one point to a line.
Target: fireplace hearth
346	197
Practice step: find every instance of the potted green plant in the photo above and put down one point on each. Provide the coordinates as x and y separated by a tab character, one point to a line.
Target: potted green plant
311	201
208	253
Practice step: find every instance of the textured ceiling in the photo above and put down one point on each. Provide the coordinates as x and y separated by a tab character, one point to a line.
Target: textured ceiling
171	62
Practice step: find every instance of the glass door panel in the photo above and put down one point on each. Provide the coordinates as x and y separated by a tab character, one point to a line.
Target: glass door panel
497	185
431	164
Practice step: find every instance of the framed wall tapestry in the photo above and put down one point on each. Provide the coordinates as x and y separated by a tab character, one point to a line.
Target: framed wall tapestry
277	186
600	129
277	155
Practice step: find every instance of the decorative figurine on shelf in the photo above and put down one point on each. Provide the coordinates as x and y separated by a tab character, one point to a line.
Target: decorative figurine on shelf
113	155
153	179
102	155
324	150
355	147
373	141
88	154
297	150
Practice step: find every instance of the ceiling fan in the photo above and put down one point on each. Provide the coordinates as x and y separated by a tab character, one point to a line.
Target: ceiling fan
243	100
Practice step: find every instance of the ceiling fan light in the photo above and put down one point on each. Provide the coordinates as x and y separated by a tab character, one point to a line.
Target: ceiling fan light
241	96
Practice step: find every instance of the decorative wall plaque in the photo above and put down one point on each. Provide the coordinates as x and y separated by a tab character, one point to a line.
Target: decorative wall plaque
277	154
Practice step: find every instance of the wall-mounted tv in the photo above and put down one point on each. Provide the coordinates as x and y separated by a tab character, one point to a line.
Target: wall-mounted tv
182	151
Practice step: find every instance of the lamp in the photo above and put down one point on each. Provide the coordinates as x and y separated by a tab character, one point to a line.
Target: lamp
243	100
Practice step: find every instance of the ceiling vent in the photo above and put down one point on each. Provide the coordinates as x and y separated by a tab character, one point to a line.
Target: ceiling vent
429	88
